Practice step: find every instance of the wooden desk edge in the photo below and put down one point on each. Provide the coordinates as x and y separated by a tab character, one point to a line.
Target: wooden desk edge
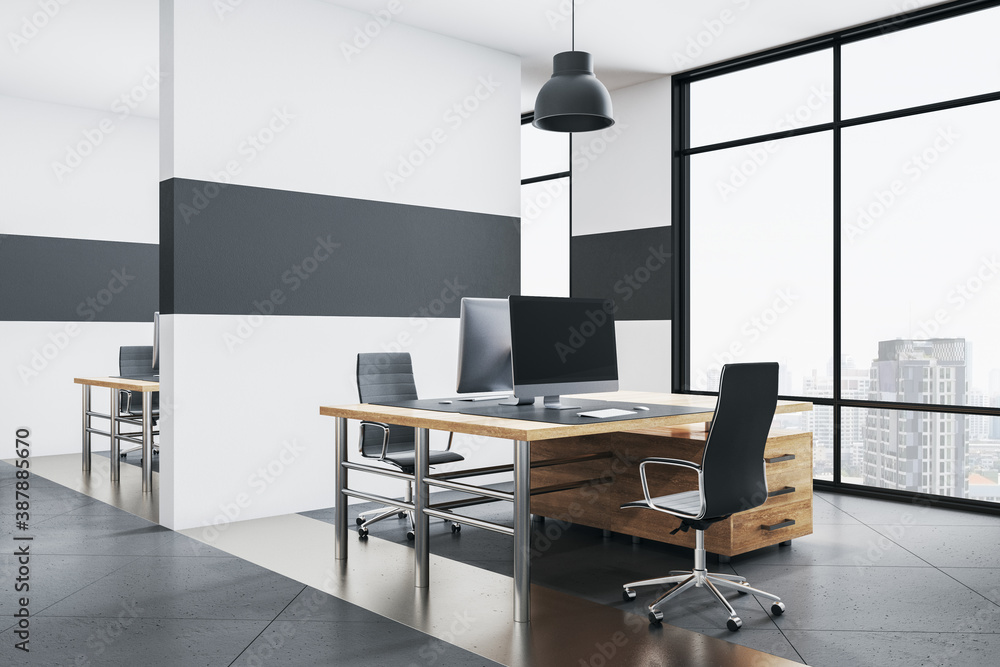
515	429
119	383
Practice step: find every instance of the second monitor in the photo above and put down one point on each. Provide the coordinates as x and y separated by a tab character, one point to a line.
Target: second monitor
562	346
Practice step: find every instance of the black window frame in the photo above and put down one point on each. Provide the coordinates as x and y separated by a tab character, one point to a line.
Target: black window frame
681	152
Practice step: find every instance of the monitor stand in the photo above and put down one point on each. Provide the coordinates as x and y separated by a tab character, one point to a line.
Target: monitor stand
514	400
554	403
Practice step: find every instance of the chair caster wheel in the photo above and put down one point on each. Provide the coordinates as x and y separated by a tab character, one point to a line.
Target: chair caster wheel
734	623
655	617
362	533
410	535
359	521
123	456
742	592
401	515
628	595
456	528
778	608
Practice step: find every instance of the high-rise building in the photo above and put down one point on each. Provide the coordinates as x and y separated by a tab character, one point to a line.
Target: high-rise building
979	425
918	451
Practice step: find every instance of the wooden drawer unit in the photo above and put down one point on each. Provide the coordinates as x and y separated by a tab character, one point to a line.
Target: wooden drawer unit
613	479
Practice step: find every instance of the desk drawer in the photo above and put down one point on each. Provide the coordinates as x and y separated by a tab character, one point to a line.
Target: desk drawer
770	524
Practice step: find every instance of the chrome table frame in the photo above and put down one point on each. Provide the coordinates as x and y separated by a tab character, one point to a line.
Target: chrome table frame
143	437
522	433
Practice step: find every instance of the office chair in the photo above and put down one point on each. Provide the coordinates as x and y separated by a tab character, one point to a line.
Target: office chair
136	361
730	480
389	377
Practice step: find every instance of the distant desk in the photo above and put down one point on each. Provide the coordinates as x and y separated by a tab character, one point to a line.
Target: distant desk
117	385
523	433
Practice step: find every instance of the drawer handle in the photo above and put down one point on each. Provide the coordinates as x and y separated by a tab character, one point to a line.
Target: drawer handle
781	491
779	459
776	526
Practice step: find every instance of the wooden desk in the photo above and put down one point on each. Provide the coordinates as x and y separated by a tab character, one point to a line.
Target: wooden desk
523	433
117	385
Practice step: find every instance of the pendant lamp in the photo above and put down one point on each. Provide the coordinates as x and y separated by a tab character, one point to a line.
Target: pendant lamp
573	100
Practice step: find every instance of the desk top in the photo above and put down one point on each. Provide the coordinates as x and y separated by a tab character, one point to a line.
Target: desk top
120	383
516	429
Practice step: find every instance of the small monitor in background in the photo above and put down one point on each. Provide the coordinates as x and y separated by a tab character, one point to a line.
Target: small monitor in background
484	347
156	342
562	346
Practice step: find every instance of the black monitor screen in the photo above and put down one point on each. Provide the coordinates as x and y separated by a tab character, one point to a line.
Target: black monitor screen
562	340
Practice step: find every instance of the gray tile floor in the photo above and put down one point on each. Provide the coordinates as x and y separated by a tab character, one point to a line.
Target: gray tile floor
878	583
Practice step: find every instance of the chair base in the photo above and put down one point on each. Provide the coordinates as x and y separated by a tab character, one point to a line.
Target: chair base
700	577
381	514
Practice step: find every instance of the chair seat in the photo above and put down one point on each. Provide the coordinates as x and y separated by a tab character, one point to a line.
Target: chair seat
405	460
137	412
687	503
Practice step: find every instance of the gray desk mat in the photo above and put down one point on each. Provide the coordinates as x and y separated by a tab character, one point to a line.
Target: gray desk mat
539	413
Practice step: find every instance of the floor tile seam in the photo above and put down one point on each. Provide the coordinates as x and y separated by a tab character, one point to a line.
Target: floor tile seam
962	583
770	617
380	619
895	632
797	652
937	525
85	587
269	623
259	619
870	526
844	566
49	517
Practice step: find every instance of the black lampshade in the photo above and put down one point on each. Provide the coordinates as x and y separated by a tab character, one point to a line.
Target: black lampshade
573	100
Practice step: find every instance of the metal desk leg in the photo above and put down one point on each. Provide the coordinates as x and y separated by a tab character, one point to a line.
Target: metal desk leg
339	484
421	544
522	531
85	434
147	443
116	445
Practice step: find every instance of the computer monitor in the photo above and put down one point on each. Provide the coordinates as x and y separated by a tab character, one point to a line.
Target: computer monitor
562	346
484	346
156	342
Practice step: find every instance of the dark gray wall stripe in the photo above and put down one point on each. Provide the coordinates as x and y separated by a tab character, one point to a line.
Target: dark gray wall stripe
242	250
632	267
77	280
167	246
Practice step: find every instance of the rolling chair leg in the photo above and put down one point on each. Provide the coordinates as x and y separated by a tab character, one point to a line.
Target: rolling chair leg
382	513
700	577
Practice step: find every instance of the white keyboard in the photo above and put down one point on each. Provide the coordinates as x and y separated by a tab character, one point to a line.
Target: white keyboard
608	412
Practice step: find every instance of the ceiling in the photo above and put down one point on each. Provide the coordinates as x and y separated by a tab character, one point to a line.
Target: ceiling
89	54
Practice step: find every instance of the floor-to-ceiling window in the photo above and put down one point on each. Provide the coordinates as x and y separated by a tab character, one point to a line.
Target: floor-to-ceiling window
836	203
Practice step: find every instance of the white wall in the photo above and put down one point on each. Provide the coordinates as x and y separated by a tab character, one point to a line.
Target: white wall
40	360
621	175
621	181
408	94
276	70
110	194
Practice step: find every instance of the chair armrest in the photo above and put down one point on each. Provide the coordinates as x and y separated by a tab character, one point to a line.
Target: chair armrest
677	463
128	401
451	435
385	437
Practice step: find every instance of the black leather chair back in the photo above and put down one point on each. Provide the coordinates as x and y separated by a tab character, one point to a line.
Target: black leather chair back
733	461
386	376
136	361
